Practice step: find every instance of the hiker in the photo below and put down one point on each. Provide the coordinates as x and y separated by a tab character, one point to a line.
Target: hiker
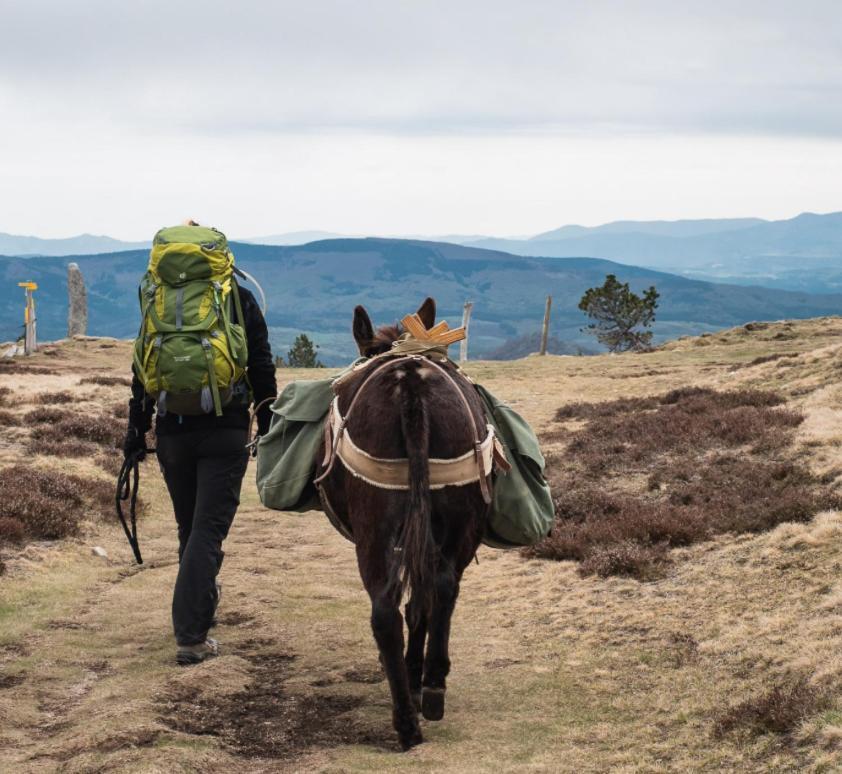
201	435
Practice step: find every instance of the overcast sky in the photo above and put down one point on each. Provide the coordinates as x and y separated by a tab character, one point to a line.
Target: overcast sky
414	116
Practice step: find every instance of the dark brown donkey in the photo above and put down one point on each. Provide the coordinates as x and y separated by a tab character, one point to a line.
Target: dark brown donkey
420	540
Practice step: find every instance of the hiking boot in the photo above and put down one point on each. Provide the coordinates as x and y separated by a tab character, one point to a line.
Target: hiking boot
195	654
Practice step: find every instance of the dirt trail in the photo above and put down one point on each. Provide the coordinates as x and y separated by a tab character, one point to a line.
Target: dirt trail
551	672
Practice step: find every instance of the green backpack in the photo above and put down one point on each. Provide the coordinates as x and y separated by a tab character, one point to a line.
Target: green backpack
191	350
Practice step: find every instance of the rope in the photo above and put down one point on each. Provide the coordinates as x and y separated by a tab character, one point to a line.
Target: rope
252	441
127	485
407	345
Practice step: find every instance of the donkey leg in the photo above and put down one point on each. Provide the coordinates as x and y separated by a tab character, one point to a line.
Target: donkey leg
417	624
437	662
387	625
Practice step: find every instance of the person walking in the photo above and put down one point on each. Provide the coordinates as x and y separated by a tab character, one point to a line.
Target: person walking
201	360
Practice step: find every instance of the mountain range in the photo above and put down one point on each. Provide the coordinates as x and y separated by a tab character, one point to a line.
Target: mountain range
313	288
802	253
11	244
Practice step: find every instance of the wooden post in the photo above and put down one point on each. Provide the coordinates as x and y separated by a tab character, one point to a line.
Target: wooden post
545	330
30	343
466	322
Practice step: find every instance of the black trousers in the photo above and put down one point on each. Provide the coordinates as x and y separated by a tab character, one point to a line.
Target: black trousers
204	471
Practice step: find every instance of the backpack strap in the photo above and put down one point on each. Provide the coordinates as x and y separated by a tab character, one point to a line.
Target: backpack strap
222	312
238	308
238	304
214	386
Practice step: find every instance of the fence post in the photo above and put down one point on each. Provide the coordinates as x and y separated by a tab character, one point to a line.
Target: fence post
30	343
466	322
545	330
77	302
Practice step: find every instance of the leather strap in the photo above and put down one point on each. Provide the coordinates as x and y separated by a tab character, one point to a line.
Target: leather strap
330	458
484	456
394	473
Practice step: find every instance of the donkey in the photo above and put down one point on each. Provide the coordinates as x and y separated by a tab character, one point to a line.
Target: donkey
418	540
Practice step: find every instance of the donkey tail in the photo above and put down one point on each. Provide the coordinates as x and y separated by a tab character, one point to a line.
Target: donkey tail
416	568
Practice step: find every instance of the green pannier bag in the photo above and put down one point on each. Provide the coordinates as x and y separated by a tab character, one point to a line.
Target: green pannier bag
522	509
191	350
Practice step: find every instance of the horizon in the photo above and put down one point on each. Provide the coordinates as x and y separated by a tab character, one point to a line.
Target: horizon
333	234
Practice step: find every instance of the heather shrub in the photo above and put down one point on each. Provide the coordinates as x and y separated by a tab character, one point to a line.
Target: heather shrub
52	447
50	398
120	410
780	709
5	396
8	419
107	381
98	428
44	414
16	367
11	530
644	475
581	410
50	504
626	558
110	463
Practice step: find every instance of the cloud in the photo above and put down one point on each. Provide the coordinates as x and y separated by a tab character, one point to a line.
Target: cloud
414	116
426	66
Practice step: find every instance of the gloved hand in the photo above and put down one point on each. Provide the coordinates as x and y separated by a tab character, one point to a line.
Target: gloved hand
135	444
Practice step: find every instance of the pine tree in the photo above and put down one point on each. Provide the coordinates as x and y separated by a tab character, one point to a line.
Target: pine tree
619	314
303	353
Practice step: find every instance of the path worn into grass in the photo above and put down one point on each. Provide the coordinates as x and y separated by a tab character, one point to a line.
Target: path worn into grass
551	672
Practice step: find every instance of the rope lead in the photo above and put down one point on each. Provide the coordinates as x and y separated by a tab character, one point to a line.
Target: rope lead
127	485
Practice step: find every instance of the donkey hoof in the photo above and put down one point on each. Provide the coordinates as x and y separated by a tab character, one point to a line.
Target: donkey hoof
410	739
432	703
416	700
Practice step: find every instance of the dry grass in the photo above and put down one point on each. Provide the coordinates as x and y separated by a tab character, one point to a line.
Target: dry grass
551	672
764	359
712	462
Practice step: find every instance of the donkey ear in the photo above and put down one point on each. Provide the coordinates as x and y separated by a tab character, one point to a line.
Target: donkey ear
427	313
363	329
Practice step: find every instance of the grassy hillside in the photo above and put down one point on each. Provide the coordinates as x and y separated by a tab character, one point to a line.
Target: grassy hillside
727	661
314	287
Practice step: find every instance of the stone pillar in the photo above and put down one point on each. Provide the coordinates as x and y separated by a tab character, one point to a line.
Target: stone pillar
77	307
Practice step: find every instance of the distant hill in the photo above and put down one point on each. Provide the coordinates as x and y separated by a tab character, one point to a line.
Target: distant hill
736	250
89	244
313	288
669	228
800	254
292	238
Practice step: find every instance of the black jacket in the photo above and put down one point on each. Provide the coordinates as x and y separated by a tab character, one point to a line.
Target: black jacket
261	375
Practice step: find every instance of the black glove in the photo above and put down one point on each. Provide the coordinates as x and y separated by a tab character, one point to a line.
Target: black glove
135	444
